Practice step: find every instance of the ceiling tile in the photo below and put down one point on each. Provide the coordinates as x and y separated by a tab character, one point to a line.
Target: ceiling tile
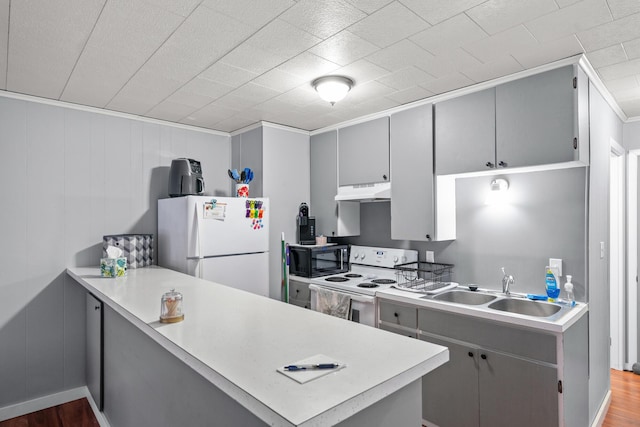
449	34
210	114
500	67
362	71
368	91
343	48
565	3
199	90
569	20
234	123
300	96
177	7
255	93
236	102
279	80
514	40
631	107
618	31
171	111
405	78
622	8
411	94
282	39
618	71
227	74
495	16
308	66
46	41
629	94
437	11
126	34
251	12
389	25
623	84
632	48
607	56
322	18
445	84
401	55
450	62
545	53
149	87
252	58
369	6
4	34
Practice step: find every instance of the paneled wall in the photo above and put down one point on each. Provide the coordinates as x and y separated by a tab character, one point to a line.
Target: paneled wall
68	178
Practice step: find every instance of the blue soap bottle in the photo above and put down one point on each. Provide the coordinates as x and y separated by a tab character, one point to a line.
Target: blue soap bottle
551	285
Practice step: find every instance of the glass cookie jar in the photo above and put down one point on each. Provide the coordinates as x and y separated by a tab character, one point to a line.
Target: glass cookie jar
171	307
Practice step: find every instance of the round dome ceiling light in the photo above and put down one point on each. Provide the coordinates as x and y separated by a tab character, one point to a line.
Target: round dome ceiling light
332	88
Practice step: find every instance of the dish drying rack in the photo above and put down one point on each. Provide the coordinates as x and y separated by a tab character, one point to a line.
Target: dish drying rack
424	277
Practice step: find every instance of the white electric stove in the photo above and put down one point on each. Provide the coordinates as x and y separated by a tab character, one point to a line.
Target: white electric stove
370	269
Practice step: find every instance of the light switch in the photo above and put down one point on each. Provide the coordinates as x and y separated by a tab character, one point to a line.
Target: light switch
430	257
556	265
601	250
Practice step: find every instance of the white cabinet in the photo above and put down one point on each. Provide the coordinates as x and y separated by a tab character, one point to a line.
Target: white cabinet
363	152
537	120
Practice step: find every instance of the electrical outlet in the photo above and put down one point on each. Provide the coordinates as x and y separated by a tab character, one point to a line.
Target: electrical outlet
556	263
429	256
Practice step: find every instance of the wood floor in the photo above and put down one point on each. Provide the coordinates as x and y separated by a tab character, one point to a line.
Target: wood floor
624	410
72	414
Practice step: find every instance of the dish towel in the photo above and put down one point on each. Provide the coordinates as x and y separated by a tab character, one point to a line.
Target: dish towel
333	303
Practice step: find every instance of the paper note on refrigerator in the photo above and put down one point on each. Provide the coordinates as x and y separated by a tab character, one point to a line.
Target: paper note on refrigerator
213	210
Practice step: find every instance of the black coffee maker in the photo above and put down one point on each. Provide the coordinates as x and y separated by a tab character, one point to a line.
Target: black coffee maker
305	226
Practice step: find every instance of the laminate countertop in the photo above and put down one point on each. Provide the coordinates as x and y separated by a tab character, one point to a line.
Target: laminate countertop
238	340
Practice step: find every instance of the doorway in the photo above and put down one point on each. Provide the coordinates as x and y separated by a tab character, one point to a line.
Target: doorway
617	256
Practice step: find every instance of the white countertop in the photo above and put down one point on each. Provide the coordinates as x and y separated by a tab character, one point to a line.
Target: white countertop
556	325
237	340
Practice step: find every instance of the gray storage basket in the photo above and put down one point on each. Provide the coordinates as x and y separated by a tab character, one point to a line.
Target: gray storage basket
137	248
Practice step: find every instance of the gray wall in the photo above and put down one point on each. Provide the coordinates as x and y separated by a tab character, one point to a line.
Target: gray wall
604	126
522	235
69	177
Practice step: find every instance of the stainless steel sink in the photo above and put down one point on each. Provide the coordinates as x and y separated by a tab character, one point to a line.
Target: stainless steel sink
464	297
529	308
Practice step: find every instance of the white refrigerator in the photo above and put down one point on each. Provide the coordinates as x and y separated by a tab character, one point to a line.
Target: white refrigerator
221	239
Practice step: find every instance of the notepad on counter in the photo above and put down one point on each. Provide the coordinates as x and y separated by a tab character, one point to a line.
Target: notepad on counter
306	375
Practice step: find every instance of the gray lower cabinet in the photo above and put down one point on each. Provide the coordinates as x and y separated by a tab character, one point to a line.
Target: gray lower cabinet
324	182
299	293
412	187
363	152
94	351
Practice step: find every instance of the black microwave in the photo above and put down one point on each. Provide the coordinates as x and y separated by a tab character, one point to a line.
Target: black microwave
315	261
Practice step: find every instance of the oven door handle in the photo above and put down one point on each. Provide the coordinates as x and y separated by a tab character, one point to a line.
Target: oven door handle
354	297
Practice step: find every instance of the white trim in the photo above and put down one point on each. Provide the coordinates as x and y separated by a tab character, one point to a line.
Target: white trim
597	83
63	104
246	129
269	125
102	419
23	408
617	270
602	411
632	257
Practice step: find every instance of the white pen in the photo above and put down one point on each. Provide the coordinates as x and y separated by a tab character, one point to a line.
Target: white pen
311	366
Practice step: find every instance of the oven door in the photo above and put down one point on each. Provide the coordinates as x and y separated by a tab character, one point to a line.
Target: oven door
363	307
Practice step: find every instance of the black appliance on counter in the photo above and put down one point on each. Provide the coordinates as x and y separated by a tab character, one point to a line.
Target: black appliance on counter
316	261
185	178
305	226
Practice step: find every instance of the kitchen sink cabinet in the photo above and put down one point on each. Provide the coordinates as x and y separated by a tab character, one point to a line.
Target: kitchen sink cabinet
533	121
412	186
363	152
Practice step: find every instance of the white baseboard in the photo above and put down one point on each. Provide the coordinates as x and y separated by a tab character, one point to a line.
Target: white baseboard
48	401
602	412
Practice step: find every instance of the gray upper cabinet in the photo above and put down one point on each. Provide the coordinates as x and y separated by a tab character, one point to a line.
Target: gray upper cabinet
363	152
412	186
536	119
465	133
533	121
324	182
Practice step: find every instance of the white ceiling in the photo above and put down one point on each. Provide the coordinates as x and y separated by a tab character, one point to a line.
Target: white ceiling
225	64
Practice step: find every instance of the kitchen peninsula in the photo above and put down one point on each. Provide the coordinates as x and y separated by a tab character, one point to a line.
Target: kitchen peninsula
219	365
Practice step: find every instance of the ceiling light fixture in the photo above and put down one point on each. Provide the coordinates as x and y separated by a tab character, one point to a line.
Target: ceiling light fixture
499	184
332	88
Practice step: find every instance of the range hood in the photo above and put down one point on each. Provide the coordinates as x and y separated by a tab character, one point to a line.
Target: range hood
365	192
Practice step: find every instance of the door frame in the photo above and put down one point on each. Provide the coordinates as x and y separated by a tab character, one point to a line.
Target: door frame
633	158
617	192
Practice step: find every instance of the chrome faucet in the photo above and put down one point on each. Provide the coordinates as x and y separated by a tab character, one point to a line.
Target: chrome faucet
507	281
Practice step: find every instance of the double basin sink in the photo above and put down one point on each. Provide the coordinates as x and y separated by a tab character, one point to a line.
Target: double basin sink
501	303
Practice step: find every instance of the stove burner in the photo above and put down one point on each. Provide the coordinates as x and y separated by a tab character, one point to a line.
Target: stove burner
336	279
384	281
353	275
367	285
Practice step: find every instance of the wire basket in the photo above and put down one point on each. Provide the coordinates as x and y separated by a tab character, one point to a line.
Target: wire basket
423	277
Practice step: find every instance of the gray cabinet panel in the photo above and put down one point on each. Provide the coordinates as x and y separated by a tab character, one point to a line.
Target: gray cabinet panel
514	391
535	119
399	331
324	182
363	152
465	133
398	314
411	151
450	393
94	361
299	294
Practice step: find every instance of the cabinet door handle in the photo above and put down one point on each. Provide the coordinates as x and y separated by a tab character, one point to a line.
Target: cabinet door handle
489	165
428	236
97	307
470	354
395	314
384	177
483	356
502	164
